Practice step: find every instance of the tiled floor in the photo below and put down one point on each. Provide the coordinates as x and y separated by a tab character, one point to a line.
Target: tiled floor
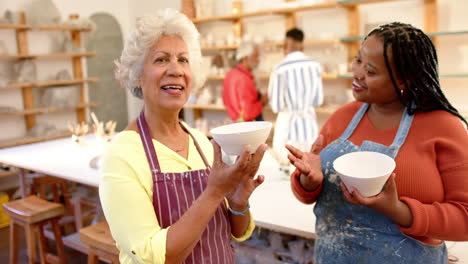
74	257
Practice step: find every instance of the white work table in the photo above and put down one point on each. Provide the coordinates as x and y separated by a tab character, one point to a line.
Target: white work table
272	204
61	158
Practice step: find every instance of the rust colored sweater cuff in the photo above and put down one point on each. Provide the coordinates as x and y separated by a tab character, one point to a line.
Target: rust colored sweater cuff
420	224
302	194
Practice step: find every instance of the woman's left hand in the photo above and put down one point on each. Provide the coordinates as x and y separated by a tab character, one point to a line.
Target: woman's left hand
239	197
386	202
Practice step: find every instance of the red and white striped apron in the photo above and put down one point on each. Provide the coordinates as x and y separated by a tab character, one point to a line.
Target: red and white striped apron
173	194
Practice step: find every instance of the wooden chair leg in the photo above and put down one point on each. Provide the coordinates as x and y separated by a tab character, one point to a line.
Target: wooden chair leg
31	244
58	241
77	213
66	196
42	243
43	192
92	256
56	193
13	242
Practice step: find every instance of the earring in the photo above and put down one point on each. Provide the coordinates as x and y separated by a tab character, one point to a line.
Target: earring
401	91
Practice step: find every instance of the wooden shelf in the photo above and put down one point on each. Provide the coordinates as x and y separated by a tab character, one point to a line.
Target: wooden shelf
318	110
454	75
43	27
361	2
229	17
205	107
444	75
49	83
325	76
351	39
46	110
288	10
447	33
433	34
306	42
47	56
62	27
14	26
274	43
224	47
266	12
6	143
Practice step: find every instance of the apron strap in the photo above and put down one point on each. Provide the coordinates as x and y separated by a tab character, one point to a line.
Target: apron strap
354	122
198	147
148	143
403	129
149	146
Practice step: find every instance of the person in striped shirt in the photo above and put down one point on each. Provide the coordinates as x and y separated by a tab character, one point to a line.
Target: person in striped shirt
295	88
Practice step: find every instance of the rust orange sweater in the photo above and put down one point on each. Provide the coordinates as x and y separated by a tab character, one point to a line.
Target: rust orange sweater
431	171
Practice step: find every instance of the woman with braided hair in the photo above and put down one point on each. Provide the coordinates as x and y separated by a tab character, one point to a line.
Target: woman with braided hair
425	201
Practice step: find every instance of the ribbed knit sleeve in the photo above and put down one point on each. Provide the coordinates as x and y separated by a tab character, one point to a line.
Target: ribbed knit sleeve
445	219
302	194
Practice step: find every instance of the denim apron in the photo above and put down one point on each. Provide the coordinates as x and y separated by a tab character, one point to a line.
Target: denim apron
174	193
348	233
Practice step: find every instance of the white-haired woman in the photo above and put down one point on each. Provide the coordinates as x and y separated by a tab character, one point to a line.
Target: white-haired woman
164	186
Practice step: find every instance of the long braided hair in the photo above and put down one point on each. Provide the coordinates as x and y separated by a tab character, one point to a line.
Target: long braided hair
416	63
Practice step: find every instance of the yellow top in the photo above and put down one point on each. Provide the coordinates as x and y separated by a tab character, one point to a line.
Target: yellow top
126	192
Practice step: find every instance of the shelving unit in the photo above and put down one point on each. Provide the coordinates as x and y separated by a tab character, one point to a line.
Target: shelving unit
30	111
351	40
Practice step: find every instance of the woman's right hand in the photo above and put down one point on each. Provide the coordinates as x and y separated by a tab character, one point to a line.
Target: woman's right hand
225	178
308	164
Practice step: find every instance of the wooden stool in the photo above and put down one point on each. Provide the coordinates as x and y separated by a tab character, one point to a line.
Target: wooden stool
58	187
31	213
100	242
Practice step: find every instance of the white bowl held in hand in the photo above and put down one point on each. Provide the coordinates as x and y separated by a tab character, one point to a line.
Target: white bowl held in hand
366	171
234	137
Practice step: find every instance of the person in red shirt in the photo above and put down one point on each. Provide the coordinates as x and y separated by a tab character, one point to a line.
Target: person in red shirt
240	96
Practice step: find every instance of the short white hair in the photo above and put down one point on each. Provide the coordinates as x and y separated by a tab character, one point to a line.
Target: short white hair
148	31
245	49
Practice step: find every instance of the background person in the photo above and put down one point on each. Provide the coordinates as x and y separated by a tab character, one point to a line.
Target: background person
240	96
295	88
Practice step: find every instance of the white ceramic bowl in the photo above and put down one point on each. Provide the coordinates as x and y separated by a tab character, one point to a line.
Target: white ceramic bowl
366	171
234	137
